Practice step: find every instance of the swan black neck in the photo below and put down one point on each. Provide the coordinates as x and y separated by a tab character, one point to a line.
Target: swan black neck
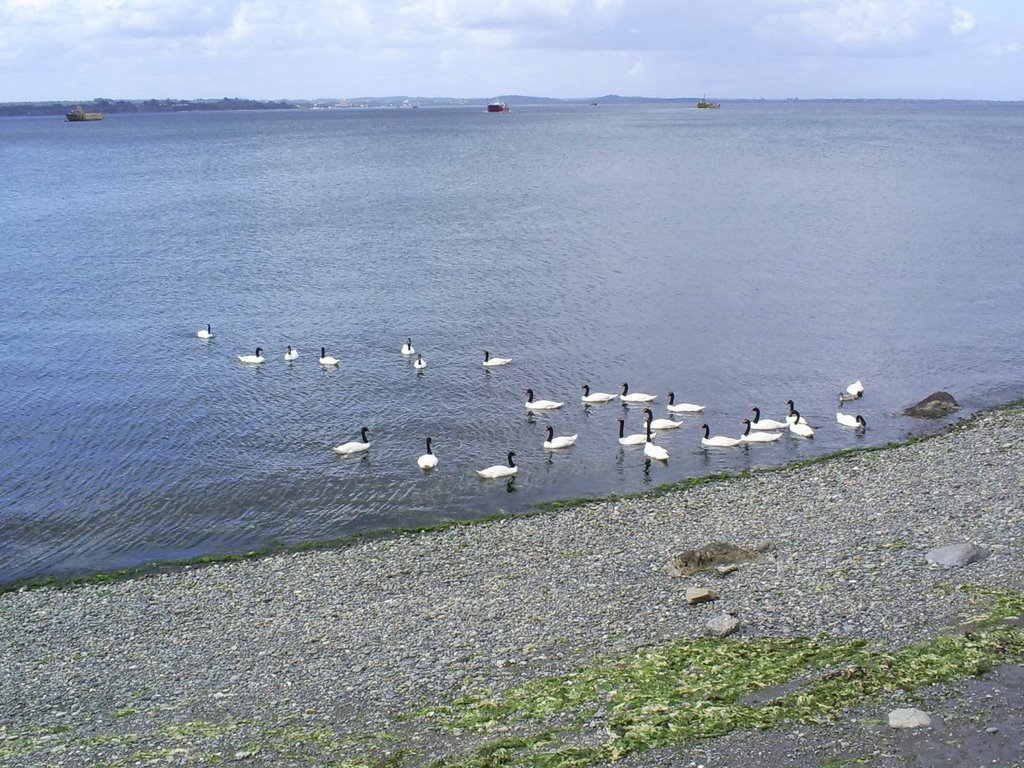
323	351
707	431
757	413
551	432
622	427
625	388
487	355
671	398
208	328
648	423
511	458
529	395
586	390
795	414
363	432
259	351
428	446
648	414
746	423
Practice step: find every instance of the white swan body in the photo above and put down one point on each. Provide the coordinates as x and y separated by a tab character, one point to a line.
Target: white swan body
253	359
596	397
852	392
493	362
757	437
797	428
290	354
205	333
660	424
651	450
758	423
675	407
428	460
540	405
500	470
407	348
327	360
848	420
635	439
419	362
562	441
354	446
718	441
792	410
635	397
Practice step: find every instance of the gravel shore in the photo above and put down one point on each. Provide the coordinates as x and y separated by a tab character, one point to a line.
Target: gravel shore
214	664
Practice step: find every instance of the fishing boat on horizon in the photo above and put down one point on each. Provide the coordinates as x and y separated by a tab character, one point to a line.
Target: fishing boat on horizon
497	106
78	115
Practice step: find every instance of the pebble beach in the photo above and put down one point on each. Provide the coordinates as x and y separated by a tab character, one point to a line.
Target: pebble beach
211	665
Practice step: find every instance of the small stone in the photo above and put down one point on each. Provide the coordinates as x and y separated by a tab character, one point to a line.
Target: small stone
992	729
695	595
722	625
956	555
725	570
909	717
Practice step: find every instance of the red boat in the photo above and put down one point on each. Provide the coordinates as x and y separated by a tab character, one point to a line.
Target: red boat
497	106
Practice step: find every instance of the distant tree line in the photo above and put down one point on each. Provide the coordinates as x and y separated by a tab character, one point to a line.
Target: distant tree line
123	106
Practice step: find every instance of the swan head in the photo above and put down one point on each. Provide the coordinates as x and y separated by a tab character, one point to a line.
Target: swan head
408	342
790	404
529	395
671	398
551	432
648	414
586	389
860	421
707	430
625	387
259	351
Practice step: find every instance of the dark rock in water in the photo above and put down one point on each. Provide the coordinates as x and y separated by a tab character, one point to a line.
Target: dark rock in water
707	557
935	405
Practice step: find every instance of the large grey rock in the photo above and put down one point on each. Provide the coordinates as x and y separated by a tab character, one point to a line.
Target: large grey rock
707	557
936	405
956	555
722	625
909	717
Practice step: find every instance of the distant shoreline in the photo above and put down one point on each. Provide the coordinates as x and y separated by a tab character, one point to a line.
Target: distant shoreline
156	106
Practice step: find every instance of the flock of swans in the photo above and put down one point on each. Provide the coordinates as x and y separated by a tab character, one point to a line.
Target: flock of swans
755	430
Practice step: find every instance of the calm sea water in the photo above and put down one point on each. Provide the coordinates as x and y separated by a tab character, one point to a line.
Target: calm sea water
739	257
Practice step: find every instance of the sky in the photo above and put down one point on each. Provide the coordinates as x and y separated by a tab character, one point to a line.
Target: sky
78	50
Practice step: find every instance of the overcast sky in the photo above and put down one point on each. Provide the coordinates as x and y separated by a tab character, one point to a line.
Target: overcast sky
82	49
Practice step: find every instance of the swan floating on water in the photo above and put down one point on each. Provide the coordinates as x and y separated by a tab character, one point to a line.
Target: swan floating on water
675	407
758	423
792	410
419	362
562	441
718	441
852	392
326	360
206	333
290	354
635	439
492	362
799	428
500	470
540	405
651	450
428	460
660	424
252	359
407	348
354	446
757	437
635	397
848	420
596	397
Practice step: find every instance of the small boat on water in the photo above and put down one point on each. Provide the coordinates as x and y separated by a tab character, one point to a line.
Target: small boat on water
705	104
497	106
78	114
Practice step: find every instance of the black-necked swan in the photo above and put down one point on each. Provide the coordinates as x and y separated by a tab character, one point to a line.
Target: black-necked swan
792	409
659	424
758	423
253	359
675	407
428	460
419	362
500	470
205	334
540	405
354	446
651	450
852	392
407	348
757	437
325	359
635	439
635	397
848	420
798	427
492	362
290	354
562	441
596	397
718	441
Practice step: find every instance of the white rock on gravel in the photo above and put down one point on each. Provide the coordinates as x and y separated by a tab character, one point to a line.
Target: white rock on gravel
909	717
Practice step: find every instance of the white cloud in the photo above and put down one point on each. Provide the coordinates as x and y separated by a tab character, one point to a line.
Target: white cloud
963	21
